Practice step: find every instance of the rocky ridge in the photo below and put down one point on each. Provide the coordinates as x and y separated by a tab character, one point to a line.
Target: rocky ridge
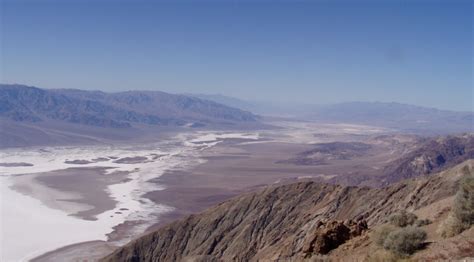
431	156
287	222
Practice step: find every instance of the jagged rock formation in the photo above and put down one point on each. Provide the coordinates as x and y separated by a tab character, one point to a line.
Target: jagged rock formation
285	222
331	234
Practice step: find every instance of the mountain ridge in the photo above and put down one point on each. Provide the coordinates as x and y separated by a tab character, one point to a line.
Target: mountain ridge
277	222
116	110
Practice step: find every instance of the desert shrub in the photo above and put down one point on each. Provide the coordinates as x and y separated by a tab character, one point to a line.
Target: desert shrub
405	241
402	219
464	201
422	222
381	234
450	227
462	214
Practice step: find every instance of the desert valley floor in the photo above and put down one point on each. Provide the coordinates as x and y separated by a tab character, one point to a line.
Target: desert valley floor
90	199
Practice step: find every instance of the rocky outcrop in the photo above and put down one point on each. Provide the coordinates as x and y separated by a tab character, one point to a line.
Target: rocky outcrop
331	234
285	222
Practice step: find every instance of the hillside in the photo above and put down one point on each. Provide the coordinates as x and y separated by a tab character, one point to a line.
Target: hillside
117	110
431	156
384	159
292	221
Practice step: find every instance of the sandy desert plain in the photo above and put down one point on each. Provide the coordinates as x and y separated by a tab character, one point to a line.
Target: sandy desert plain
80	202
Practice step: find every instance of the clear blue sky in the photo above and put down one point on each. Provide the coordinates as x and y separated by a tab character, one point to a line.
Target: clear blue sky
417	52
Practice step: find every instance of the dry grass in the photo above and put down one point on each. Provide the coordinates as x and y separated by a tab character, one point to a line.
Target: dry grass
382	255
405	241
402	219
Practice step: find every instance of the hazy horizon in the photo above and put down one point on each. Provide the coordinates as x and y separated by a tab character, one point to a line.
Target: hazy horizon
255	102
415	52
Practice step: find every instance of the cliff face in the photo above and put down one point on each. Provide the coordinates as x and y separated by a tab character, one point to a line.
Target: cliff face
286	221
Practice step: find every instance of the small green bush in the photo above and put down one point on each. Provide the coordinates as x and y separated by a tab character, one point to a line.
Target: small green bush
405	241
402	219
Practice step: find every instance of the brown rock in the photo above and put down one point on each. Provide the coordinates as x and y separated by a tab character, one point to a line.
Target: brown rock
330	235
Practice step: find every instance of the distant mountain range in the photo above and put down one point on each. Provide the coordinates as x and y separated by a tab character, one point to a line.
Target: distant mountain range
31	116
35	116
126	109
397	116
118	110
403	117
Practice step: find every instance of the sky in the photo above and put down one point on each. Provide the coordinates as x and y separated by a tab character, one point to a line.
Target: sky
307	52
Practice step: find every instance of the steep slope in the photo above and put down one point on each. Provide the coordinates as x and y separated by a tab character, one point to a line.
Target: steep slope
283	222
431	156
117	110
